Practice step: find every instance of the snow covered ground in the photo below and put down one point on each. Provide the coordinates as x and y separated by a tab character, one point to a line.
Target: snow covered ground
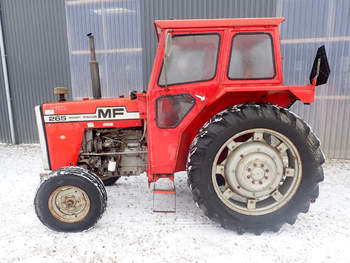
130	232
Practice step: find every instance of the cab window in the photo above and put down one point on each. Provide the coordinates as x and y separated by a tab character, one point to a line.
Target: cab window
192	58
252	57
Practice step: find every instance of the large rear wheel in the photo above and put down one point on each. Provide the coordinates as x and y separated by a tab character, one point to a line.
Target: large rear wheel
254	167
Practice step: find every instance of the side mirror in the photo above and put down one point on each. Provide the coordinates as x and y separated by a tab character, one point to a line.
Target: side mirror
320	69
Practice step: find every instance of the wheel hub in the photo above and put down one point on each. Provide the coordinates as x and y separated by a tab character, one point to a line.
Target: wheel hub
69	204
254	169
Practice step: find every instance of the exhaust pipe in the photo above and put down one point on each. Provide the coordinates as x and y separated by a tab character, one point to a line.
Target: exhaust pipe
95	74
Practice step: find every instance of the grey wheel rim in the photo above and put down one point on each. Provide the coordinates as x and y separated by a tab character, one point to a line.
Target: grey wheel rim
69	204
257	171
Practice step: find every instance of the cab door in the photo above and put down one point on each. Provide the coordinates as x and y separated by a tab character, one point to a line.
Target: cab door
179	89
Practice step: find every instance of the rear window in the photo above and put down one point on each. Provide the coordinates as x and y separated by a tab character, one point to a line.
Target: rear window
252	57
192	58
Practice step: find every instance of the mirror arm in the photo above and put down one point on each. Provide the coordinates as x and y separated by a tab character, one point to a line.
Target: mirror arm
166	47
314	80
165	73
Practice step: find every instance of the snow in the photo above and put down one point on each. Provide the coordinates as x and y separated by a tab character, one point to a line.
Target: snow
130	232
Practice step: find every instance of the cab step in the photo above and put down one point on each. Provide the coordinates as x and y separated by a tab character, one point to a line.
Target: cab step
164	196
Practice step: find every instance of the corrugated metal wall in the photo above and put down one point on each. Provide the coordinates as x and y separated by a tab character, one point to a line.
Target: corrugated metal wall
5	136
116	26
191	9
125	39
37	57
308	25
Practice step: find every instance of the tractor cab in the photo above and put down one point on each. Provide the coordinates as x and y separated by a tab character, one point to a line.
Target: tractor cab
201	68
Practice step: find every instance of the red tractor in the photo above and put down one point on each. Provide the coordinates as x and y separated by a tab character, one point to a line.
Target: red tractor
215	106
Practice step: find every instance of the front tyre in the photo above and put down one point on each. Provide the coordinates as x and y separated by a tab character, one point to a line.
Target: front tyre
254	167
71	199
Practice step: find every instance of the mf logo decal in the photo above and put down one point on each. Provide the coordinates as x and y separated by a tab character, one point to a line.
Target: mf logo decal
101	114
109	113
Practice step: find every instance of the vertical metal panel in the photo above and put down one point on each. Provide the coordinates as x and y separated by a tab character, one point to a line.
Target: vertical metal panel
5	136
192	9
308	25
116	26
37	56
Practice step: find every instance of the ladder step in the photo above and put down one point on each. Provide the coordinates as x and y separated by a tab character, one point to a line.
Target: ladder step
164	191
164	196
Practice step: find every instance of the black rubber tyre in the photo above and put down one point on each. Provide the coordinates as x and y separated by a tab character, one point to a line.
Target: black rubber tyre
64	218
107	181
221	127
110	181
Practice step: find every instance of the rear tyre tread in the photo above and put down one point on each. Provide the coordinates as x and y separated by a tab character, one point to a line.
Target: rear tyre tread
232	117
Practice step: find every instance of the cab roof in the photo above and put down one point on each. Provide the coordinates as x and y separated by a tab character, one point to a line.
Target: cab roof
225	22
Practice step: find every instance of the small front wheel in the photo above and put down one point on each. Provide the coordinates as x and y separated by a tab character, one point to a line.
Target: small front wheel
70	200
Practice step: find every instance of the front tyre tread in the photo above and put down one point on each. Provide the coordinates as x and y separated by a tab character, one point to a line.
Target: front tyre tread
79	178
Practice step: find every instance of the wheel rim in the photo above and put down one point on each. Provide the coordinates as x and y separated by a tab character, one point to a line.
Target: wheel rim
69	204
256	171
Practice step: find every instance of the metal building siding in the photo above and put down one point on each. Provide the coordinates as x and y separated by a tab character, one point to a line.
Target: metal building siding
37	57
302	33
116	26
5	136
192	9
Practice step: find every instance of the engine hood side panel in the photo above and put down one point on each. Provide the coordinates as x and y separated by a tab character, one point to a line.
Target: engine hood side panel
65	123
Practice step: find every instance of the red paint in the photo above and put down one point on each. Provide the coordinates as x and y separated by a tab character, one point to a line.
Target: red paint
168	148
65	151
